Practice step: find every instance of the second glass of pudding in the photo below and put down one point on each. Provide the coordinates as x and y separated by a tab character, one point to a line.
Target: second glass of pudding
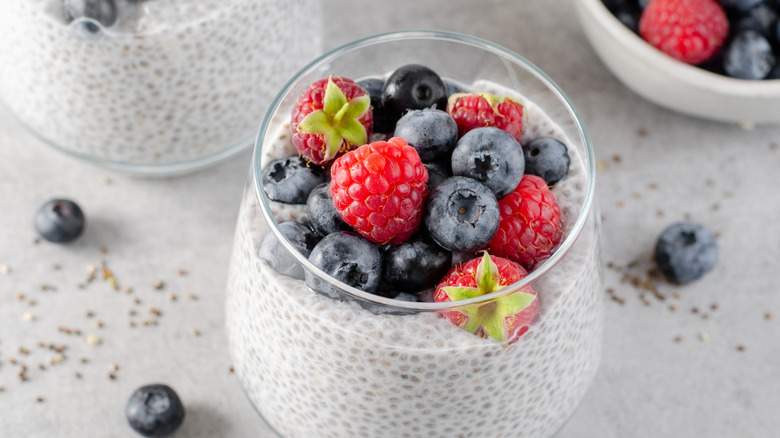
371	366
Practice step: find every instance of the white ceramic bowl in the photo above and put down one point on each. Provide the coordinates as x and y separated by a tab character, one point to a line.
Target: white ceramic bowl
671	83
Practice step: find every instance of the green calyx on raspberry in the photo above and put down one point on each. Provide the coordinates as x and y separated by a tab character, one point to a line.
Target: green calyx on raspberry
338	120
489	319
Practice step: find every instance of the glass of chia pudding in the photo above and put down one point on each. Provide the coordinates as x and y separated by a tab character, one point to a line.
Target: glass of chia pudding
417	250
150	86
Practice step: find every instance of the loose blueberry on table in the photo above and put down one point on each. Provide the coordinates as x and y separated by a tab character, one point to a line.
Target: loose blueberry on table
685	252
154	411
736	38
59	221
443	208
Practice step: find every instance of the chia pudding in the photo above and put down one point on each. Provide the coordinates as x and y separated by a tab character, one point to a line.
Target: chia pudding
167	82
318	367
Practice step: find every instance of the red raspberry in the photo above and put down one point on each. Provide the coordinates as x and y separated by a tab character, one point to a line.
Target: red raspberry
331	117
379	189
505	318
691	31
530	227
472	110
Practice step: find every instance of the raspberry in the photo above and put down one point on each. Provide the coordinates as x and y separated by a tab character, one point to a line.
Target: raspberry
504	319
472	110
691	31
331	117
530	227
379	189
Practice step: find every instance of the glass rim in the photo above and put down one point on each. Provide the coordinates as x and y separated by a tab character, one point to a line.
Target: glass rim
472	41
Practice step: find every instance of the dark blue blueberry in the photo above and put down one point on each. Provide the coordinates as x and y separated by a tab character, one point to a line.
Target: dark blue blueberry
275	254
461	214
491	156
547	158
741	5
154	411
629	17
290	179
685	252
322	215
643	3
438	171
384	121
350	259
102	11
59	221
748	56
452	87
762	19
432	132
775	73
415	265
411	87
614	5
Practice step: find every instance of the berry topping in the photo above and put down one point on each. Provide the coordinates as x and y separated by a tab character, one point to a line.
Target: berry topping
384	121
462	214
490	156
531	227
331	117
413	87
503	319
379	189
154	411
290	179
322	215
102	11
432	132
548	158
59	221
748	56
349	259
685	252
691	31
275	254
415	265
482	110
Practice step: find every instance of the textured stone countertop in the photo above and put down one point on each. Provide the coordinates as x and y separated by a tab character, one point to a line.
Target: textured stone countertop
704	362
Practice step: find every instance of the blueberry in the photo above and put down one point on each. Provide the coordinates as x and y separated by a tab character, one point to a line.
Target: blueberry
452	87
59	221
491	156
438	171
415	265
547	158
741	5
275	254
762	19
629	17
432	132
461	214
413	86
154	411
102	11
748	56
350	259
685	252
290	179
384	121
322	215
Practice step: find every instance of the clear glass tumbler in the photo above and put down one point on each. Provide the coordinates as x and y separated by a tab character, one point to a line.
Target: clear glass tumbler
369	366
150	86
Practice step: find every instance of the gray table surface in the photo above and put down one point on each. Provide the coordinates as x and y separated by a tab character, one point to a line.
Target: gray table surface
704	362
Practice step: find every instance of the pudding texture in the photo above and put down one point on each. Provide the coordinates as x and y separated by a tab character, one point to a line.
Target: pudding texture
171	81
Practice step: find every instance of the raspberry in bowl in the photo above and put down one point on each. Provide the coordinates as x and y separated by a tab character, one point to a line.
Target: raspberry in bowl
154	86
411	293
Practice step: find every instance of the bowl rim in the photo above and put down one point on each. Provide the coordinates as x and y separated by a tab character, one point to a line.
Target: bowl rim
584	214
764	89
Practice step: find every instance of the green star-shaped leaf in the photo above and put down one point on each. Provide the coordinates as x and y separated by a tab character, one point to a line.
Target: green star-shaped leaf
489	319
338	121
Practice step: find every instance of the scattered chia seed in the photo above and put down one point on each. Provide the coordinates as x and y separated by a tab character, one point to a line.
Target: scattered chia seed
704	336
195	332
155	312
77	375
91	339
113	367
672	307
767	316
4	269
159	284
18	296
98	324
617	158
27	316
127	290
48	288
641	132
694	310
181	272
192	297
678	339
40	400
740	348
652	186
171	297
32	303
